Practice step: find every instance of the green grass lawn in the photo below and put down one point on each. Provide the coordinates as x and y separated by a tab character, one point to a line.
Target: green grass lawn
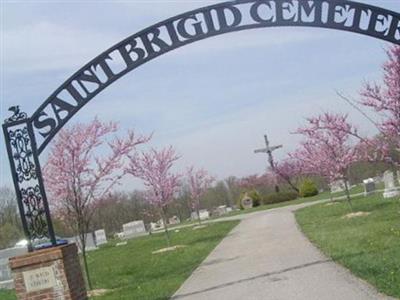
369	245
7	295
133	272
325	195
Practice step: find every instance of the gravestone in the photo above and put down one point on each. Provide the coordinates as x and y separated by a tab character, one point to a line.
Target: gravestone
246	202
174	220
221	210
337	186
390	185
204	214
369	186
157	225
90	242
100	237
194	216
134	229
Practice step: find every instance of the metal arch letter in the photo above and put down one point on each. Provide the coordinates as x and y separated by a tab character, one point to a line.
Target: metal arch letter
213	20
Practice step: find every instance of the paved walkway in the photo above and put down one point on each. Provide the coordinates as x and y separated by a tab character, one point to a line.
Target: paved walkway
267	257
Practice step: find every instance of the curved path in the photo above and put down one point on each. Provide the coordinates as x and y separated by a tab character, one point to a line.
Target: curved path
267	257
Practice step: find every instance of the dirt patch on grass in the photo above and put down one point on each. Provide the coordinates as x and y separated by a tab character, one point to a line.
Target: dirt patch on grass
356	214
96	293
173	248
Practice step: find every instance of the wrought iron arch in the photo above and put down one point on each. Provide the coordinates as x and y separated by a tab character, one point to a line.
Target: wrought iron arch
26	138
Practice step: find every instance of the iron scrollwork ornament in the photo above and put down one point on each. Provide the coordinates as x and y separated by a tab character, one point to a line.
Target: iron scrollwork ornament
35	212
20	142
18	115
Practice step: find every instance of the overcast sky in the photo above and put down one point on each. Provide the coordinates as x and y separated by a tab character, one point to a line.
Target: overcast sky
213	100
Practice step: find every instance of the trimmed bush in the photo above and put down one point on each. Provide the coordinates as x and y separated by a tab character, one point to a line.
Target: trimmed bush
279	197
308	188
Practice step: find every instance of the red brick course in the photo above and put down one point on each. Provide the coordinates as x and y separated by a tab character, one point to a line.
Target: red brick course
64	261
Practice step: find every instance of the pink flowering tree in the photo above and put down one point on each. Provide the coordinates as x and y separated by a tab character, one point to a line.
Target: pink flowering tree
198	182
154	168
327	148
85	162
288	170
384	99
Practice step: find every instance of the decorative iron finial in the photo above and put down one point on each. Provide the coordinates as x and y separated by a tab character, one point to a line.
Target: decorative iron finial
17	114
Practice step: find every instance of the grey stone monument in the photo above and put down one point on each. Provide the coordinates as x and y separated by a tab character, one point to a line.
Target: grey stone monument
90	243
134	229
221	210
369	186
390	185
100	237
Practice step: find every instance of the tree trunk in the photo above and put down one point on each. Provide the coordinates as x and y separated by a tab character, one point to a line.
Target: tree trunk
82	237
198	213
289	182
347	194
164	218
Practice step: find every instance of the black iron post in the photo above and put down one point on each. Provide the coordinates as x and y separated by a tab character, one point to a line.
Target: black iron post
27	178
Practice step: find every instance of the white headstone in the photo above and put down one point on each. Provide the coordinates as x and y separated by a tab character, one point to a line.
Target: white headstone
134	229
221	210
369	186
100	237
174	220
390	186
337	186
157	225
204	214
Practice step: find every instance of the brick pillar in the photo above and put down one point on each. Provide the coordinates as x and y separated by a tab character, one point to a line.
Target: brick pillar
52	273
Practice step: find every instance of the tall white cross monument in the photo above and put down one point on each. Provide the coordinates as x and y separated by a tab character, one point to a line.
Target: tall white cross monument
269	149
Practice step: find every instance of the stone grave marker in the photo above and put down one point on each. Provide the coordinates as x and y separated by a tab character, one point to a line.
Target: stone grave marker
204	214
337	186
90	242
221	210
174	220
369	186
157	225
100	237
390	185
194	216
134	229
